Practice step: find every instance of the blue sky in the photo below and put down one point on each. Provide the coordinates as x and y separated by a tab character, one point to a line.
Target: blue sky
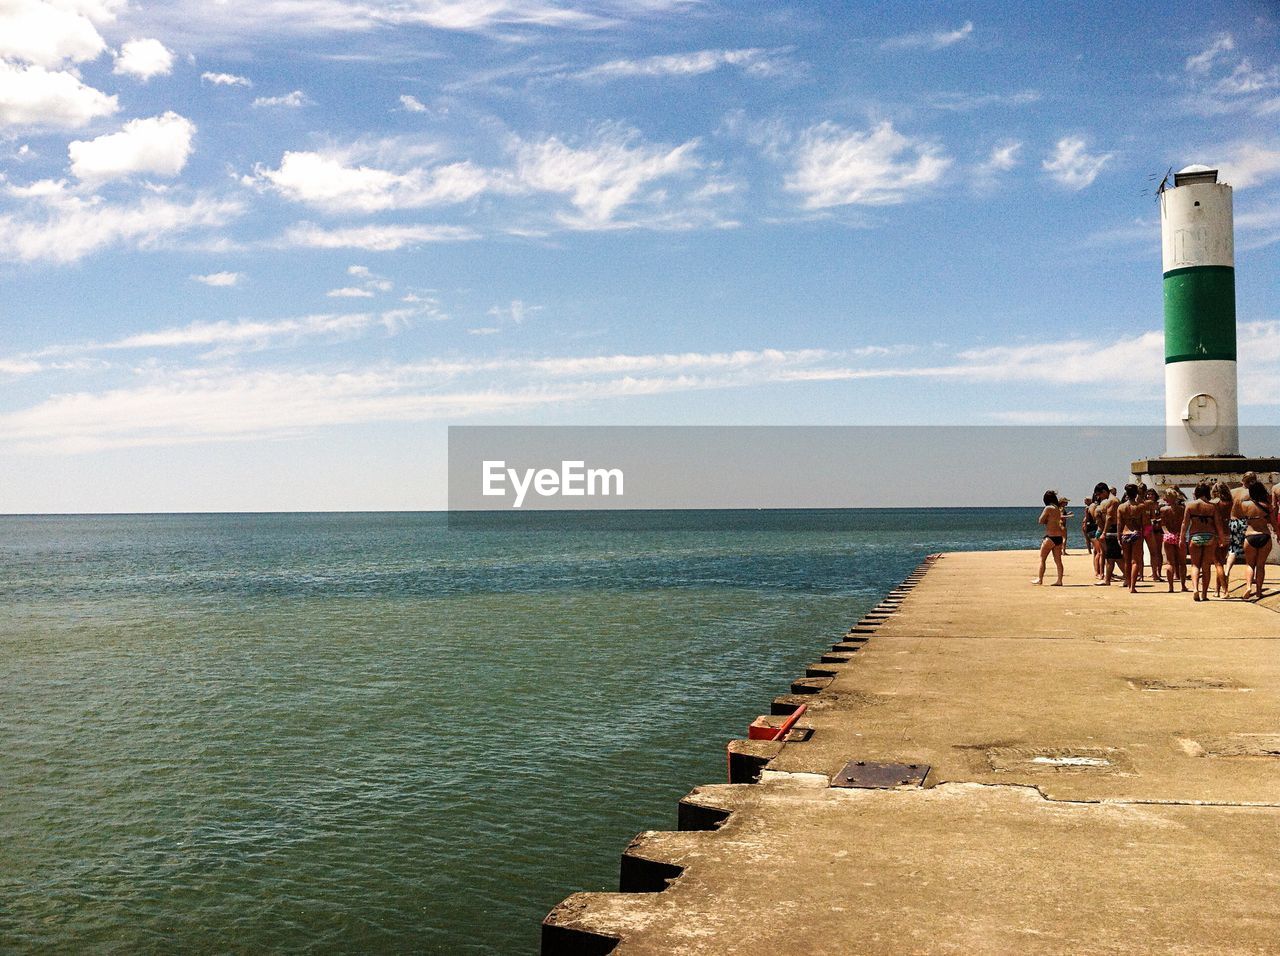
261	254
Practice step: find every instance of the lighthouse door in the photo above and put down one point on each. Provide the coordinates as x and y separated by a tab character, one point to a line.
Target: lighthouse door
1202	414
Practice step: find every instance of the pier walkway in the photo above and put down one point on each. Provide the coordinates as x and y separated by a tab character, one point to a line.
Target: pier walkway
1103	776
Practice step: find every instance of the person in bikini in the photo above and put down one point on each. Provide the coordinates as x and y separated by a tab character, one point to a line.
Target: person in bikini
1260	522
1141	502
1055	534
1222	500
1130	516
1108	531
1155	536
1171	515
1202	529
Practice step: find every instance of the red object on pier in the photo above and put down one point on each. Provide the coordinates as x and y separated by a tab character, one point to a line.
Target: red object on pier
760	729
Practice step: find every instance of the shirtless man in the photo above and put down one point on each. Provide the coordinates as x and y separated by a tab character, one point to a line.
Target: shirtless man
1055	535
1131	515
1089	527
1235	530
1105	515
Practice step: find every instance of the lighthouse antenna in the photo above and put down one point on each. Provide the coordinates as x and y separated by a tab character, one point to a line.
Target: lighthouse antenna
1164	183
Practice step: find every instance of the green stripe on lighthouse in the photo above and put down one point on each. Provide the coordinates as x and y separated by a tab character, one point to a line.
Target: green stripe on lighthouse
1200	314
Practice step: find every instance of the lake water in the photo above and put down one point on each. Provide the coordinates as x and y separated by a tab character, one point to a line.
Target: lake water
371	732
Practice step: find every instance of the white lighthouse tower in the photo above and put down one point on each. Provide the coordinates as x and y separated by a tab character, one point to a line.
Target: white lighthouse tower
1201	405
1198	247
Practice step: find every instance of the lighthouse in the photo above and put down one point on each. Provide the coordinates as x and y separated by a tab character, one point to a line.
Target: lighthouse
1201	405
1196	238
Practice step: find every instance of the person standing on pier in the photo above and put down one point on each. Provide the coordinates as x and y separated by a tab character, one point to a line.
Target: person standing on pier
1171	517
1140	501
1260	522
1236	530
1202	528
1055	535
1108	527
1131	516
1089	527
1223	501
1066	528
1153	529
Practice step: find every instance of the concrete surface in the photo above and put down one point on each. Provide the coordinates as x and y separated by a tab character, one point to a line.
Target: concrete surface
1105	777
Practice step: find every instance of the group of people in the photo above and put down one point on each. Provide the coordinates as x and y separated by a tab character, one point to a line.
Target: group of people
1219	528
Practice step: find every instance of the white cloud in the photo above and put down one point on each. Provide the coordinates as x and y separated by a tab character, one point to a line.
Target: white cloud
965	102
1072	166
377	238
204	22
753	62
244	334
222	338
601	177
1074	362
167	406
1203	61
41	42
424	306
834	166
226	79
144	59
49	34
349	292
159	146
1250	163
1246	79
34	97
224	402
515	312
68	228
221	403
331	183
219	279
291	101
1219	84
412	104
1003	156
935	40
465	15
1259	226
18	366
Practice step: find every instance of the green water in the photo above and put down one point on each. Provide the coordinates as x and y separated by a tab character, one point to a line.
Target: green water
371	733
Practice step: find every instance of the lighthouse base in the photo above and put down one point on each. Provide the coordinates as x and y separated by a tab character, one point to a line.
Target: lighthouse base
1186	473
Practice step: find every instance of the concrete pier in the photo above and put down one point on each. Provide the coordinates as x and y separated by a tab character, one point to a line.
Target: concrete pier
1101	773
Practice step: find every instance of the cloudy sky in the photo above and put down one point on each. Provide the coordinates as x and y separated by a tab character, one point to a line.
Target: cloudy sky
258	254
